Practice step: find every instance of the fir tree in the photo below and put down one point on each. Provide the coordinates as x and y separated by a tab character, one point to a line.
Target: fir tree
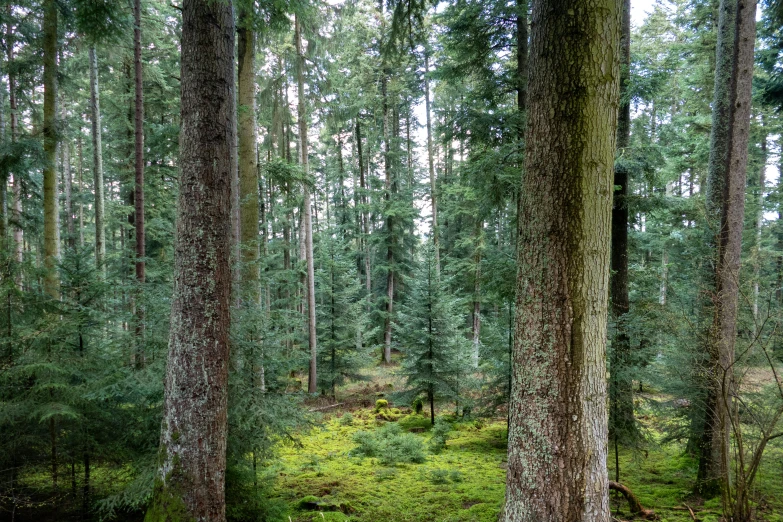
430	334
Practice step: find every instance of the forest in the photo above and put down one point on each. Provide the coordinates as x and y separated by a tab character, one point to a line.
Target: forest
392	260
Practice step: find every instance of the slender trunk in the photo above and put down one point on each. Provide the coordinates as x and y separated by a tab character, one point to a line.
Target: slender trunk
364	217
86	488
16	213
80	188
65	164
190	479
138	191
431	161
97	164
476	330
557	447
387	327
759	221
51	228
307	218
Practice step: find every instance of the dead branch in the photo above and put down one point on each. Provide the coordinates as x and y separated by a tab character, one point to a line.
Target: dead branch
633	503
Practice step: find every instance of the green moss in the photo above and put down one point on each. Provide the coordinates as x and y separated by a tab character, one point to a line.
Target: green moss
167	506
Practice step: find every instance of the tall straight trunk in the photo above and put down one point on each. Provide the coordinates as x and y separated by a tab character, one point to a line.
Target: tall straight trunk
248	175
80	188
307	222
621	419
725	204
476	327
431	161
558	426
761	180
51	228
97	163
4	182
190	479
365	219
138	130
387	133
724	331
16	212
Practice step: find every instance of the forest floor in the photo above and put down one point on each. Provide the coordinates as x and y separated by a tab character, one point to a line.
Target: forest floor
322	479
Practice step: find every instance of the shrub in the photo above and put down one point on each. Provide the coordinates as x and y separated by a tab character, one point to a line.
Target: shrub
417	406
381	404
440	434
389	445
346	419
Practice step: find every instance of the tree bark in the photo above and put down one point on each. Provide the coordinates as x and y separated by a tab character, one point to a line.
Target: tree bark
16	212
138	196
622	424
307	222
387	325
430	161
726	190
190	478
50	139
97	163
724	332
558	426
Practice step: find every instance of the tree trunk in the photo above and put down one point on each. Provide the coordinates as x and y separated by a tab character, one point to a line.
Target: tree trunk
558	428
621	419
430	161
190	479
16	213
726	188
97	163
759	222
51	228
724	333
387	325
138	192
307	222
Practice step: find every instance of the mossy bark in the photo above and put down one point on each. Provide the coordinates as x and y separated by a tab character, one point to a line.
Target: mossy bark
190	478
558	420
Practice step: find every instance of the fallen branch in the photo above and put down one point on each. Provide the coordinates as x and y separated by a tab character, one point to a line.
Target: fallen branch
322	408
693	515
633	503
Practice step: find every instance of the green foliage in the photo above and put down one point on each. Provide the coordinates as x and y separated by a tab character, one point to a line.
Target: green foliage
389	445
440	434
381	404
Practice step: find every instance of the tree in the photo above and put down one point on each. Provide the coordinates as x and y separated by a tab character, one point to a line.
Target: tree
97	161
51	227
622	425
189	483
557	430
435	350
307	222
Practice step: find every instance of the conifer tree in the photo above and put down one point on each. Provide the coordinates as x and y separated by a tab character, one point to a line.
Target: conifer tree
430	335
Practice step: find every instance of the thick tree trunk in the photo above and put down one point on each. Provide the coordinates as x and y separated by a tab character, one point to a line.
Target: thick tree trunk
558	427
307	222
97	163
51	227
724	333
190	479
622	424
726	196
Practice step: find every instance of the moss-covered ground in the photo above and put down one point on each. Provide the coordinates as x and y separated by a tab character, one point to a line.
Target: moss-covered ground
322	479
